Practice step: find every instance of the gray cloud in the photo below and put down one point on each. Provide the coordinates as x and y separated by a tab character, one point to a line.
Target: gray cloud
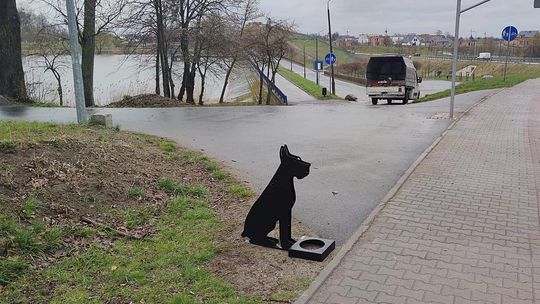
398	16
405	16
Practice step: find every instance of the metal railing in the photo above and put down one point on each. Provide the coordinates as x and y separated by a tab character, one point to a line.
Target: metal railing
270	85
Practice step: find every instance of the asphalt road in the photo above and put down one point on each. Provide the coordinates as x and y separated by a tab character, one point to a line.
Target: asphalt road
343	88
357	151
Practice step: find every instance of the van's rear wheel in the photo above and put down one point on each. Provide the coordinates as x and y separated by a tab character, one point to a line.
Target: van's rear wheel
406	98
374	101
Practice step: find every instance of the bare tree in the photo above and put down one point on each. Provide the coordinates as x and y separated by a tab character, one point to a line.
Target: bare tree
267	44
249	12
254	48
51	54
212	50
11	71
185	16
98	16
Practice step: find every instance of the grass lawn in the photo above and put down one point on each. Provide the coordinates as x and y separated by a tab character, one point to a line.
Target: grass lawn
324	48
479	84
305	85
92	215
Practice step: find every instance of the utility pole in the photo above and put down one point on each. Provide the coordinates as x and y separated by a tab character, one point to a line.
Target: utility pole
304	61
76	62
317	59
332	79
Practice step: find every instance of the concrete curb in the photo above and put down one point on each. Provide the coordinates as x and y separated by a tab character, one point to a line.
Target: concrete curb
325	273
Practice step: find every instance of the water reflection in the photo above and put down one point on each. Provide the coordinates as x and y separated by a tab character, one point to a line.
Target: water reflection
116	76
15	111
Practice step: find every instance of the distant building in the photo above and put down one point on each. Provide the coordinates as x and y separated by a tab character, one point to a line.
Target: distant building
396	39
437	41
441	40
470	42
346	41
363	39
412	40
380	40
524	38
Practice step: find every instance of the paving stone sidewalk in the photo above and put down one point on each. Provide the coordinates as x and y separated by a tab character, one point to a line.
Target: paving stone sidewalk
464	228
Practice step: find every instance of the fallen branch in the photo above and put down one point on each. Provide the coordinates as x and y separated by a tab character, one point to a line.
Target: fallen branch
103	226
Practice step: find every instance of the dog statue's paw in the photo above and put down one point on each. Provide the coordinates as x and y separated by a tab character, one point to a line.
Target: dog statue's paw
288	244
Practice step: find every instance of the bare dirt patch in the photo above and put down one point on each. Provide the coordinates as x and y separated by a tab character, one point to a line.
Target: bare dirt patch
147	101
105	180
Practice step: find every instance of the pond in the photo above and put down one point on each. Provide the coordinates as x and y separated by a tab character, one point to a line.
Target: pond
116	76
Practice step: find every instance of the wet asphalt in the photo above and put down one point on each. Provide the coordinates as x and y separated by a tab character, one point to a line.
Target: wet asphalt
344	88
357	151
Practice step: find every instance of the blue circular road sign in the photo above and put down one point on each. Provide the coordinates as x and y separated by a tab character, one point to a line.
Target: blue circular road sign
509	33
330	58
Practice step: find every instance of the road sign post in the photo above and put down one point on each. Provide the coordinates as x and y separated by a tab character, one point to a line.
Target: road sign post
509	33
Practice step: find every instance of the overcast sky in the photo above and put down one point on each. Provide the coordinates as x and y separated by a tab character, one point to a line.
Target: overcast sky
406	16
399	16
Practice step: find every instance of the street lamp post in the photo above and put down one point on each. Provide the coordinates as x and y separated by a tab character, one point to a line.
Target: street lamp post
76	63
459	11
332	79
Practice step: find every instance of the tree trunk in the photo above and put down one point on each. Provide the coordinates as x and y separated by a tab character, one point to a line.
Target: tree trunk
88	46
226	82
261	85
59	89
163	48
268	84
158	89
171	80
185	77
190	86
202	90
203	82
60	94
274	76
11	70
184	46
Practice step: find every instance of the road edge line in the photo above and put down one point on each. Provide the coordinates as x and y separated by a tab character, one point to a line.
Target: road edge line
332	265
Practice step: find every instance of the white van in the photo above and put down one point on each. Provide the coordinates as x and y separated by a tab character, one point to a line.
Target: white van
392	78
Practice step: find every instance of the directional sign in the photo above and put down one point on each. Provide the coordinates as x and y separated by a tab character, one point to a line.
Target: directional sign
330	58
536	3
509	33
318	65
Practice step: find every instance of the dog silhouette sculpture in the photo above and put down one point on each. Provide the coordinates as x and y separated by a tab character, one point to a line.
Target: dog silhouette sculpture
275	204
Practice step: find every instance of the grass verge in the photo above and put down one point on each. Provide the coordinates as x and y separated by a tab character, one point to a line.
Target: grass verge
516	73
301	41
47	255
305	85
479	84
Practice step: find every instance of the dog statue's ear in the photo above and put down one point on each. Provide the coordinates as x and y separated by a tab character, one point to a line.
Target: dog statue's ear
286	150
282	152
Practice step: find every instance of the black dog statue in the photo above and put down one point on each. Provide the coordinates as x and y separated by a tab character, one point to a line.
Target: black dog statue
275	204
